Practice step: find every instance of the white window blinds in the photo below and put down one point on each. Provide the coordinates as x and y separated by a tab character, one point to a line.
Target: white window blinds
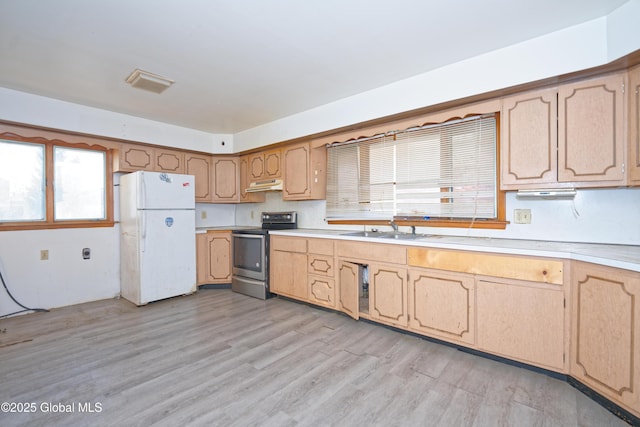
446	170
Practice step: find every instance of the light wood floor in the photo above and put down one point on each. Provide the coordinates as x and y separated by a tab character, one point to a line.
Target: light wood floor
220	358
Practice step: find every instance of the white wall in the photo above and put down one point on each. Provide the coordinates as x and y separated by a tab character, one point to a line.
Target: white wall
594	216
37	110
65	278
590	44
214	215
623	31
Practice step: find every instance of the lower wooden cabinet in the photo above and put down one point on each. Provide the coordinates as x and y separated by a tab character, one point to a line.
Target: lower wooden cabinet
349	279
288	267
213	257
322	291
524	311
388	294
442	304
520	321
605	333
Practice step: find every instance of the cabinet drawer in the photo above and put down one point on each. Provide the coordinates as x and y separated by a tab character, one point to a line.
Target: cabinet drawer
288	244
320	246
320	264
373	252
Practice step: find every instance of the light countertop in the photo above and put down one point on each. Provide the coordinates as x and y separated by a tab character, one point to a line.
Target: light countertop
619	256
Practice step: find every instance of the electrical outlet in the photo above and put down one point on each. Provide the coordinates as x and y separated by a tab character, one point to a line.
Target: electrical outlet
522	216
44	254
203	214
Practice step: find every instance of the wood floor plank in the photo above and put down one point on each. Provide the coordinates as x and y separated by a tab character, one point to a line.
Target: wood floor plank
224	359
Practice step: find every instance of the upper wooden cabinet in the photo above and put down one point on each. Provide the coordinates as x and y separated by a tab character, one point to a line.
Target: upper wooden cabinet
265	165
226	180
592	140
171	161
529	140
587	147
199	166
305	172
243	166
633	159
131	158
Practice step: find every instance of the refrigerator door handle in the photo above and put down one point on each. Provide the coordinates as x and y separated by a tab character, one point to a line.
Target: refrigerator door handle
143	228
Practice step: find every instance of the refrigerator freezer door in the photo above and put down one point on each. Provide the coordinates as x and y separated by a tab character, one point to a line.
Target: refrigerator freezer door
165	191
167	256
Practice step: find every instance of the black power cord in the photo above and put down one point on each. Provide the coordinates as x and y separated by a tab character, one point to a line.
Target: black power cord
16	301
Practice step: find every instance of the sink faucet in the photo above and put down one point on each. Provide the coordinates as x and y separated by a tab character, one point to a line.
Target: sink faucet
394	226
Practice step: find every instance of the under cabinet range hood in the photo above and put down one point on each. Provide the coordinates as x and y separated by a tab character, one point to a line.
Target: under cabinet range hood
268	185
550	194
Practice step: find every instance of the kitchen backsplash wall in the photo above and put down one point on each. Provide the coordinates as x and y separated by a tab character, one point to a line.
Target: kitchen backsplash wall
594	216
214	215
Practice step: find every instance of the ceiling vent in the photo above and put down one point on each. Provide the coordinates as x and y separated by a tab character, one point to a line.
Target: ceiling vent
148	81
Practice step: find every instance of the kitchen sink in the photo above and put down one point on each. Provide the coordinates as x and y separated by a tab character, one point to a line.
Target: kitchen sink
402	236
364	234
385	235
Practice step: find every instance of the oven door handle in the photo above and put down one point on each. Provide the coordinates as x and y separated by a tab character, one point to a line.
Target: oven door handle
248	236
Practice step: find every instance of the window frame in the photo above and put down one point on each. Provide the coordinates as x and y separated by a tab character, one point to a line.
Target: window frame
499	222
49	222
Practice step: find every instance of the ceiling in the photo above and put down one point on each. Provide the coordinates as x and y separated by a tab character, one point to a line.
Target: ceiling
238	64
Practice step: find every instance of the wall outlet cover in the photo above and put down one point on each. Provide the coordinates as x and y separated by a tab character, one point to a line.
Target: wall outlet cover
522	216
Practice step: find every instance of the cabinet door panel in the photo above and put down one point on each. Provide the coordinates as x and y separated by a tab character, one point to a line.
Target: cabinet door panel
349	276
521	322
244	184
388	294
272	164
131	158
442	304
288	274
529	139
634	127
225	180
322	291
296	161
606	332
256	167
219	247
213	253
591	136
169	161
200	167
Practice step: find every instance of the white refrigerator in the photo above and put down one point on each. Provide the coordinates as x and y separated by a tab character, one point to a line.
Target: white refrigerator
157	236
